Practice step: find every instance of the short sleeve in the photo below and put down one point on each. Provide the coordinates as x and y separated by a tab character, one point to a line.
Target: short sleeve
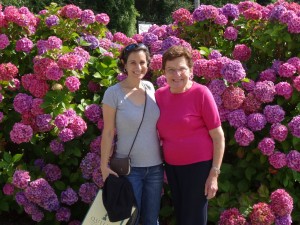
149	86
110	97
210	111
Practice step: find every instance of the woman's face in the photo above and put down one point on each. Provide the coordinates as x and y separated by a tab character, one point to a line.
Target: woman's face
136	65
177	74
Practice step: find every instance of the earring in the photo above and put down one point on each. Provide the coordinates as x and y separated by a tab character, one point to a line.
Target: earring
125	70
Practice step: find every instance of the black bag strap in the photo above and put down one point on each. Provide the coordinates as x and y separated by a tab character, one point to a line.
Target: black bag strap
141	120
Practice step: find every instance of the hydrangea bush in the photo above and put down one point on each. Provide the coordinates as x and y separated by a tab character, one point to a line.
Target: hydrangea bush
55	67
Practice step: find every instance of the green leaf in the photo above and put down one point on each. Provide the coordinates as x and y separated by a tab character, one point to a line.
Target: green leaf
97	75
60	185
3	164
4	206
250	172
263	191
7	157
17	157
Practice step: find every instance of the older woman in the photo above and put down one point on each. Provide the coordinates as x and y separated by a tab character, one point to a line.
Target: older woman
193	141
123	106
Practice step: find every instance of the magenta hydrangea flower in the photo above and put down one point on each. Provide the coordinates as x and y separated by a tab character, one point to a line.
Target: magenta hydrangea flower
100	124
54	72
248	85
268	74
1	116
214	54
52	20
264	91
54	42
293	160
36	108
97	178
20	179
156	62
296	83
56	147
284	89
69	196
52	172
217	86
121	38
22	103
161	81
230	33
295	61
281	203
77	125
237	118
256	121
63	214
274	113
21	133
95	145
278	160
94	87
41	46
4	41
66	135
68	61
43	122
87	16
8	189
241	52
87	192
205	12
286	70
231	217
211	70
72	83
8	71
261	214
233	97
88	164
121	76
221	20
41	193
278	132
75	222
24	45
243	136
294	25
266	146
71	11
233	71
61	121
102	18
105	43
93	112
294	126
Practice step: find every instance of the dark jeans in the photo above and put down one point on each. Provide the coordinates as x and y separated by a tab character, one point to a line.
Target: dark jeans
187	185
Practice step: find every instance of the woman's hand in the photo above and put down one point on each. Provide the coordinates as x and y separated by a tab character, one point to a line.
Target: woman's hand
105	171
211	185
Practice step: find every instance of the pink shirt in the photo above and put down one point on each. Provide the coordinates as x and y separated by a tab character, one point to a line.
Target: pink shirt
184	122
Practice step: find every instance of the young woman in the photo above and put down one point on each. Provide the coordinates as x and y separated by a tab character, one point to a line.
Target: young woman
123	106
193	141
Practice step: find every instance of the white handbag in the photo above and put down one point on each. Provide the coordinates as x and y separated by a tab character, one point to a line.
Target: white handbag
97	214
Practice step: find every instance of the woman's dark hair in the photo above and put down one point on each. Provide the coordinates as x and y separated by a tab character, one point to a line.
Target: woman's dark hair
176	51
129	49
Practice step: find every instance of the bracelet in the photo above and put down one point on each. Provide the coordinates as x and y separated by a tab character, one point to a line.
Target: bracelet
218	171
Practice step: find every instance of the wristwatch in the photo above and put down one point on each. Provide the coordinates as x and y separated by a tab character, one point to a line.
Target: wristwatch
216	169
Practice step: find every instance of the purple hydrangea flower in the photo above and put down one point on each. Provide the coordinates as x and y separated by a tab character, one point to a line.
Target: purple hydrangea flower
21	133
61	121
161	81
52	172
264	91
43	122
52	20
243	136
88	164
4	41
95	145
149	38
66	135
281	203
278	160
1	116
214	54
42	194
40	163
276	12
278	132
294	25
93	112
205	12
256	121
121	76
88	16
63	214
97	178
266	146
168	42
294	126
20	179
87	192
230	11
92	41
237	118
283	220
217	86
69	196
56	147
274	113
233	71
24	45
248	85
230	33
268	74
22	103
293	160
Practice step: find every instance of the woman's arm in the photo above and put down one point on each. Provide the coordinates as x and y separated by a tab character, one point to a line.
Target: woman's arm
108	132
211	186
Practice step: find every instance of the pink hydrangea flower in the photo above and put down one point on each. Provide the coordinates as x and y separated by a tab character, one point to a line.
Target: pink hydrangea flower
261	214
294	25
256	121
281	202
161	81
294	126
8	71
102	18
278	132
156	62
284	89
93	112
20	179
53	72
4	41
72	83
71	11
24	45
54	42
293	160
264	91
233	97
182	15
63	214
286	70
231	33
22	103
41	66
66	135
8	189
56	147
278	160
21	133
243	136
241	52
266	146
77	125
268	74
274	113
68	61
296	83
87	16
231	217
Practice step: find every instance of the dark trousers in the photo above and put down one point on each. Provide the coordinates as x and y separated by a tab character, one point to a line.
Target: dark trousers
187	184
